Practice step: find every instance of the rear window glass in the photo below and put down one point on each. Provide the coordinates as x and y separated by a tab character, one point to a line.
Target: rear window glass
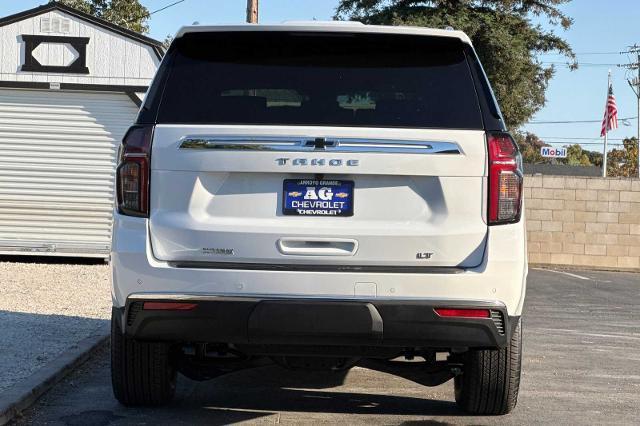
328	79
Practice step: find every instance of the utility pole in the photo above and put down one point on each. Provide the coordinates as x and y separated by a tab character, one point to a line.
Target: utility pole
634	82
252	11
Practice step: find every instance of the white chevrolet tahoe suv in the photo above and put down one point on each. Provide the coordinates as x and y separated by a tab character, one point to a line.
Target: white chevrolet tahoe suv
320	196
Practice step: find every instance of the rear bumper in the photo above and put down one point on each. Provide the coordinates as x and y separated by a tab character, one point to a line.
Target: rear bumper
501	276
305	321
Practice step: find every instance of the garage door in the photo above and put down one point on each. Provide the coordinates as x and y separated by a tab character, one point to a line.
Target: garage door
57	161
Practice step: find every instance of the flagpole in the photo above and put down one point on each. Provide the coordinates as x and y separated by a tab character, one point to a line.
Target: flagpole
606	129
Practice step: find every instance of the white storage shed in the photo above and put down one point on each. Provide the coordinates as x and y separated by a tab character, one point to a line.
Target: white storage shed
70	86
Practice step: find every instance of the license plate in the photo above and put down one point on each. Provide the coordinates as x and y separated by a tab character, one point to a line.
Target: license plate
311	197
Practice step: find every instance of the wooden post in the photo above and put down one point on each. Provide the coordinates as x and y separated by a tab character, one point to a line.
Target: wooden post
252	11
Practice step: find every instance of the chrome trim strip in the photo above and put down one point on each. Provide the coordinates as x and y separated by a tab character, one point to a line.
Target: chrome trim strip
395	269
290	144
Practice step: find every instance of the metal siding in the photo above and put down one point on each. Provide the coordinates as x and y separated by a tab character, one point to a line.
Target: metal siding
57	162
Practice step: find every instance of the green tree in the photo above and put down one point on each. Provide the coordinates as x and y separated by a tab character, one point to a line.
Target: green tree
126	13
595	158
576	156
167	41
506	39
530	145
624	162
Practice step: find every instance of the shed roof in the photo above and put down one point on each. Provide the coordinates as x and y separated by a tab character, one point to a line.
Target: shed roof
155	44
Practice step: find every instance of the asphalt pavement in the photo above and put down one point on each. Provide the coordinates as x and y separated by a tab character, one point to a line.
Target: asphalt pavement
581	365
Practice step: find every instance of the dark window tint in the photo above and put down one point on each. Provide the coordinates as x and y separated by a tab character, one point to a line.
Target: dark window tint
329	79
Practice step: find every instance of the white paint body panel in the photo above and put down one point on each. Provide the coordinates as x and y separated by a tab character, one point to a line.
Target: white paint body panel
500	277
179	179
405	204
57	162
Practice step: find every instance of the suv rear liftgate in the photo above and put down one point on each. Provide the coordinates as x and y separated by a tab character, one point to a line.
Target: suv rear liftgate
260	157
318	153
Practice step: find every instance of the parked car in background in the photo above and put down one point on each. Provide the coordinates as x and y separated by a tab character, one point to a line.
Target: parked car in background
322	195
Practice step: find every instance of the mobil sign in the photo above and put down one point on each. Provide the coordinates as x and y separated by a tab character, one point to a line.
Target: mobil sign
551	152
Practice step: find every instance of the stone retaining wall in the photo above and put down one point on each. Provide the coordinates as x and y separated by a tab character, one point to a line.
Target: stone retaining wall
583	221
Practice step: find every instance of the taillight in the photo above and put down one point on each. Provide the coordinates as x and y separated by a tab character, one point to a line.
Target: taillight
505	179
462	313
132	174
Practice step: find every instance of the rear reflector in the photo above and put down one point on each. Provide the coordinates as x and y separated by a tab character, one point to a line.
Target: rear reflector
463	313
169	306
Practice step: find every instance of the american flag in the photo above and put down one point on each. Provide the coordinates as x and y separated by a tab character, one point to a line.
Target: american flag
610	120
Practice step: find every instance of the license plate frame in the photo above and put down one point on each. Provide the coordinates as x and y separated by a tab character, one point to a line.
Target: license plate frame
321	197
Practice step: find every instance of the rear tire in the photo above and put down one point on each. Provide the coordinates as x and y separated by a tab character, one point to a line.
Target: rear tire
141	372
491	378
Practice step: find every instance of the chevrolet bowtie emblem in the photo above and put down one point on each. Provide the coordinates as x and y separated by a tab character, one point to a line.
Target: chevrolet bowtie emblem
320	144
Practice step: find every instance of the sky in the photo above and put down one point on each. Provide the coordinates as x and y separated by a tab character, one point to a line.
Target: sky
601	29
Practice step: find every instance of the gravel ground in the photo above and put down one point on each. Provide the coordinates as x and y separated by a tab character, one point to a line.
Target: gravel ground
45	308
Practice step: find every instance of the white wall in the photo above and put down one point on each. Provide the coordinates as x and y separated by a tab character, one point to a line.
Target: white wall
111	58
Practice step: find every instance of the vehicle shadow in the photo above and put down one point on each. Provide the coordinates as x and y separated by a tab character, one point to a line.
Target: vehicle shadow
30	341
272	389
250	395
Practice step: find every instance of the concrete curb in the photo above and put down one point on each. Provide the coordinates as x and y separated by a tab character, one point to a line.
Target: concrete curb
23	394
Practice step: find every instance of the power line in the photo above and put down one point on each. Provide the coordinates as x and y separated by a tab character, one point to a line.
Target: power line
581	143
577	138
577	121
584	64
560	141
581	53
166	7
147	15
